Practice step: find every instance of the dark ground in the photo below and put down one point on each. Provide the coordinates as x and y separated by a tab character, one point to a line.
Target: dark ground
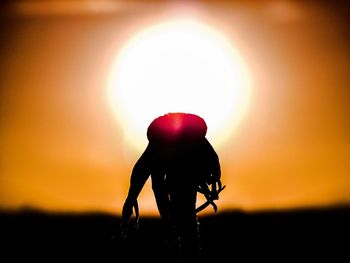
301	235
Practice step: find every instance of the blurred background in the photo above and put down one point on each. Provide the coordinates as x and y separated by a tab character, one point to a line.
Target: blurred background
62	149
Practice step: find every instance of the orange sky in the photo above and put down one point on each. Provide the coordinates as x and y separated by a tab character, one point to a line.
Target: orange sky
61	147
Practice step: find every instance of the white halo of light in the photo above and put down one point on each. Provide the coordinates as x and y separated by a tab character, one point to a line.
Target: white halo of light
178	66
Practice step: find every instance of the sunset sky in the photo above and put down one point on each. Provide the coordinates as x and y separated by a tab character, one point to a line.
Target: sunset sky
62	147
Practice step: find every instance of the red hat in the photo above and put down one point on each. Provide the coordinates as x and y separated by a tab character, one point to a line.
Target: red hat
174	127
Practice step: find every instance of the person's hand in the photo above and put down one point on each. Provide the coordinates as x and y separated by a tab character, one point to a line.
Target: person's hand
127	211
127	225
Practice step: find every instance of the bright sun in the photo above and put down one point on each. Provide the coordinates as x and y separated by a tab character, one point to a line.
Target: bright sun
178	66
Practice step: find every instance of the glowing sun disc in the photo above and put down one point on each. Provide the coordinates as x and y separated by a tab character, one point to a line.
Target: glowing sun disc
178	66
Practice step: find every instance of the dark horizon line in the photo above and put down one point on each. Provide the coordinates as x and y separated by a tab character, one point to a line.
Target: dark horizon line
336	208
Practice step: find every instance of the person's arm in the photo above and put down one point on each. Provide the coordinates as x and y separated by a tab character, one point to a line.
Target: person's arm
215	171
214	163
139	176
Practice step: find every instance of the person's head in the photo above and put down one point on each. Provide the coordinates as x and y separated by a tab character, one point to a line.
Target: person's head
176	130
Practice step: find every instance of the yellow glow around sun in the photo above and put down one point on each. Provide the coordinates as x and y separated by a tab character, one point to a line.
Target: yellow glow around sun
178	66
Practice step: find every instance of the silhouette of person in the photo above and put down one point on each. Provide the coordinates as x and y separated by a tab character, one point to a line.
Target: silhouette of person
180	161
